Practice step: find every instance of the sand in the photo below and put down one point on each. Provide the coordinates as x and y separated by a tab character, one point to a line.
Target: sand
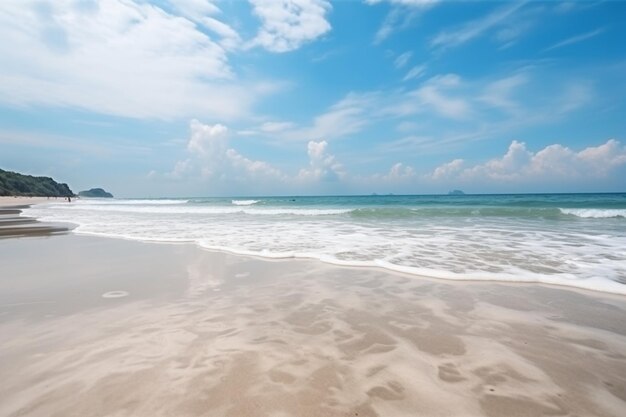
103	327
22	201
14	224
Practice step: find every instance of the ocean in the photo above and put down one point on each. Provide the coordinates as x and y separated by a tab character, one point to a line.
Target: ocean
577	240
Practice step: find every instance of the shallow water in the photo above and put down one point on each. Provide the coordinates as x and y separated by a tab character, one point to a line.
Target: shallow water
567	239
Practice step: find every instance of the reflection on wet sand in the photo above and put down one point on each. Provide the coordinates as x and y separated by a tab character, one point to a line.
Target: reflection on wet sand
295	338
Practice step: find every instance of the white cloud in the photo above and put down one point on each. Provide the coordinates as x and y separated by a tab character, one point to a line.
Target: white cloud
115	57
475	28
574	96
402	59
208	140
196	8
400	17
400	171
413	3
575	39
201	12
322	165
253	170
211	157
348	116
274	127
498	93
407	126
212	161
447	170
552	163
415	72
288	24
434	94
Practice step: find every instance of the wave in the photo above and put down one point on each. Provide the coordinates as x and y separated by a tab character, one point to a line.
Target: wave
244	202
208	210
136	202
500	249
595	213
407	212
517	275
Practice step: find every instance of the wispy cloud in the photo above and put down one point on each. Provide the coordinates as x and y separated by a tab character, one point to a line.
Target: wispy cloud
435	94
349	115
402	59
202	12
401	15
415	72
475	28
575	39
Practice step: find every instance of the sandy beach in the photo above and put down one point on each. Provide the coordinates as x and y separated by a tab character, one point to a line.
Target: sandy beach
21	201
14	224
93	326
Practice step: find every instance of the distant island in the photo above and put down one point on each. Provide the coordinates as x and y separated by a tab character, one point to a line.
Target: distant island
95	193
456	192
15	184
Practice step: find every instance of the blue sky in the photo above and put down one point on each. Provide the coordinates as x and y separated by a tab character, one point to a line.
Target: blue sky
201	98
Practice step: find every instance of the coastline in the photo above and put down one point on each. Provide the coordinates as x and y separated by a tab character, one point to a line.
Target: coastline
104	326
508	243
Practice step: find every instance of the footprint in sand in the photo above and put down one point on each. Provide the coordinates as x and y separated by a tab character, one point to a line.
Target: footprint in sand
115	294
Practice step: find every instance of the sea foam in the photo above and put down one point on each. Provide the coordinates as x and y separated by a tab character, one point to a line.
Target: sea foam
595	213
244	202
455	242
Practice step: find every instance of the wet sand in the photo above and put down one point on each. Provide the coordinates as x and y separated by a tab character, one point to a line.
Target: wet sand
14	224
103	327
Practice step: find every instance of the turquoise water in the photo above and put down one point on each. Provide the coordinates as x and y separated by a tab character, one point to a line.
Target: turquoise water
566	239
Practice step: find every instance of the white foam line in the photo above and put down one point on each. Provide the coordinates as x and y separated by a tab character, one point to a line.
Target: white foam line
592	284
595	213
244	202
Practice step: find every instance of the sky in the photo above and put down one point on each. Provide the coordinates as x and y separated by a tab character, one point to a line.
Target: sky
310	97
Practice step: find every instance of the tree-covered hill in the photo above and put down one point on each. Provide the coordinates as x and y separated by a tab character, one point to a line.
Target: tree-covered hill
95	193
12	183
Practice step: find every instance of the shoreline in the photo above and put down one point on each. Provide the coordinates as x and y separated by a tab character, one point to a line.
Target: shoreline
13	224
178	330
619	291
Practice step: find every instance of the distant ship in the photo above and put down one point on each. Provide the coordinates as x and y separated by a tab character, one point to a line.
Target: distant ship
456	192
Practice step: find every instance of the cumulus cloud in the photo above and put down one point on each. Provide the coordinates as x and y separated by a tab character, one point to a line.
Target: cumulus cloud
552	163
448	170
322	165
286	25
399	172
114	57
212	161
211	157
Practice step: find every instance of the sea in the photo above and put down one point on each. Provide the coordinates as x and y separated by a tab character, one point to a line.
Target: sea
576	240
